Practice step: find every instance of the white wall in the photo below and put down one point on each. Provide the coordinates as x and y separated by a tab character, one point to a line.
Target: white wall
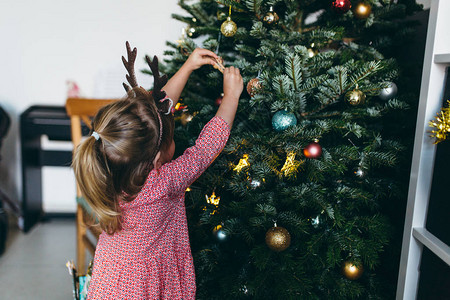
47	42
426	3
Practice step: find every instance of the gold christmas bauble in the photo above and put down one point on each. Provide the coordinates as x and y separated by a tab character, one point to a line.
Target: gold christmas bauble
352	271
253	86
362	10
278	239
185	118
355	97
271	17
228	28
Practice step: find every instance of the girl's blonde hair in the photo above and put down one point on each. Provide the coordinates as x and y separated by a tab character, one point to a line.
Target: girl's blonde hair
115	166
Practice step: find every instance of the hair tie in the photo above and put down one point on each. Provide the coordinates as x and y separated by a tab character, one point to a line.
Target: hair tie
95	135
170	109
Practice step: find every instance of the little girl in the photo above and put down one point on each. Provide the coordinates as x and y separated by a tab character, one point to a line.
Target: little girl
126	173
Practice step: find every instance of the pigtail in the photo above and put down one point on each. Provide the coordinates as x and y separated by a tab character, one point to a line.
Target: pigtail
113	165
94	181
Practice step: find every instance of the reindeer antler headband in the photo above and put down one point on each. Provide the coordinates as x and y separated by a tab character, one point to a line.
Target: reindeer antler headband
159	82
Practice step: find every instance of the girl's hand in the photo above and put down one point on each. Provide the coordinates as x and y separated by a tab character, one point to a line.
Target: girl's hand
233	83
200	57
232	89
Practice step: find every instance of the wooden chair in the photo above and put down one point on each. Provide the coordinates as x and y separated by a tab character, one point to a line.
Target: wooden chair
81	111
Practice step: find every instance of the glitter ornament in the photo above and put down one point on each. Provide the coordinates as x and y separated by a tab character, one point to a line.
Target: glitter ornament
253	86
283	119
228	27
243	162
388	92
271	17
341	6
355	97
278	238
441	125
290	165
352	271
213	199
313	150
362	10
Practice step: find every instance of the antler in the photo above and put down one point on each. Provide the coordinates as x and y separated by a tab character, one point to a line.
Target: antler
159	81
129	65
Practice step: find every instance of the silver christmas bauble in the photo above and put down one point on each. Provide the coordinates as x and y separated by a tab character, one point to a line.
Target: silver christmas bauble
220	233
388	92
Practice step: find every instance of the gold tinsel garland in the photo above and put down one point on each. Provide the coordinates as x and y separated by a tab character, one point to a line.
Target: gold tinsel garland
441	125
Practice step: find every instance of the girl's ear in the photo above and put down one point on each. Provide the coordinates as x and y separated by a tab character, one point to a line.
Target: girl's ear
156	162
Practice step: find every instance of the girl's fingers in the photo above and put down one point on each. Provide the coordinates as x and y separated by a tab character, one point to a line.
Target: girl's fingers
206	52
232	70
208	61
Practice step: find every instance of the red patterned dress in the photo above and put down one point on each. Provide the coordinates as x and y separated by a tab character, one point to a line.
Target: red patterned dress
150	258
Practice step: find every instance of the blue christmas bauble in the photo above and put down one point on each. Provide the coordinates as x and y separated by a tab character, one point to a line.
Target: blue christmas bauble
283	119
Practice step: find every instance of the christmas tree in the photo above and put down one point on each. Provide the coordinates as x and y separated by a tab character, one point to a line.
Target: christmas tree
293	207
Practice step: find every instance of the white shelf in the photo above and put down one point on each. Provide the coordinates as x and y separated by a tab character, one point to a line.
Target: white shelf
438	247
442	58
436	61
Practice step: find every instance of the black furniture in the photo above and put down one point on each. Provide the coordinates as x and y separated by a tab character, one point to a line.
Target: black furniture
5	123
36	121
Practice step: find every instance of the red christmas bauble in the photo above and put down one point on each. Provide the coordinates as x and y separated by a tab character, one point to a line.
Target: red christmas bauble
341	6
313	150
219	100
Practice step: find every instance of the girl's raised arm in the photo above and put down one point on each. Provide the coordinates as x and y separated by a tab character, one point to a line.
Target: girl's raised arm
198	58
189	166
